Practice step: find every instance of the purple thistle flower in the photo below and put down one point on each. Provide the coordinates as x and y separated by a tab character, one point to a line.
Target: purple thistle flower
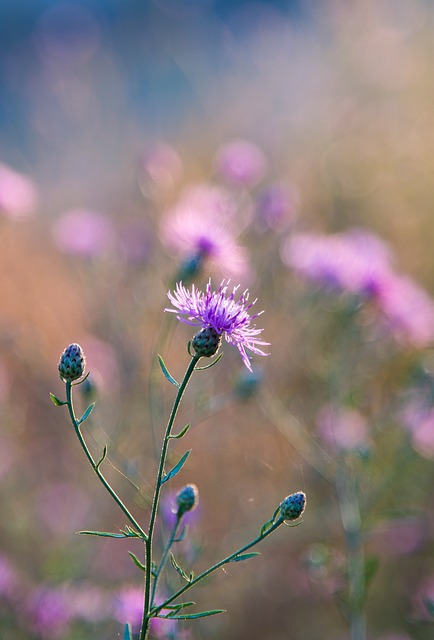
222	313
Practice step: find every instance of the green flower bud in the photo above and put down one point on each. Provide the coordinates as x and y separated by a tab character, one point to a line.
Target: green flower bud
206	342
72	363
187	499
293	506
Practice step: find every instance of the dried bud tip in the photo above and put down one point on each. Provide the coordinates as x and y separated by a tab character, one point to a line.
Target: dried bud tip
207	342
72	363
187	499
293	506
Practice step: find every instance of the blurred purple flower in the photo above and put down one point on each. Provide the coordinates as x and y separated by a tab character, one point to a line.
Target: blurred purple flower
128	605
8	578
341	428
200	226
240	162
401	536
408	310
88	602
276	207
135	241
84	233
61	508
418	417
161	166
223	313
18	195
49	611
360	263
355	261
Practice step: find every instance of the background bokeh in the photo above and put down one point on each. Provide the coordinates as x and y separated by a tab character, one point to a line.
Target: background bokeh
277	117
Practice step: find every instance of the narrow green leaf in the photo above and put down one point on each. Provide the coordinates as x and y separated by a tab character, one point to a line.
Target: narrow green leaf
103	534
103	457
213	363
192	576
75	384
178	569
194	616
266	526
177	468
181	433
166	373
179	606
87	413
57	402
245	556
136	561
128	633
371	566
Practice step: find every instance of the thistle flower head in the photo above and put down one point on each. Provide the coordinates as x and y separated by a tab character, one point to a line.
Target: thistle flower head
72	363
187	499
293	506
221	312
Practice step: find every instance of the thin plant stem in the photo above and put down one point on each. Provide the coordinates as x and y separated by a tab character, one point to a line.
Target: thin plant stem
164	558
219	564
96	465
148	543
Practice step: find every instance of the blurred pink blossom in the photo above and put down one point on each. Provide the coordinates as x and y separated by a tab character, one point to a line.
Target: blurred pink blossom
128	605
355	261
400	536
61	508
342	428
358	262
49	612
161	165
101	362
408	310
201	226
83	232
18	195
240	162
277	207
418	417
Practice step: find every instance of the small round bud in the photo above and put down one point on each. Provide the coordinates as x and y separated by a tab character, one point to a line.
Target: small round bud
187	499
206	342
293	506
72	363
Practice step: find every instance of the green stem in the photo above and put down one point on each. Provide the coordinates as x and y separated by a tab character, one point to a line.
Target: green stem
163	559
96	465
216	566
148	562
352	524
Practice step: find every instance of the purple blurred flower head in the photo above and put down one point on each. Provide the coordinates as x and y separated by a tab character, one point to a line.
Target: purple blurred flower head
199	227
128	605
400	536
161	165
49	611
240	162
417	416
18	195
408	310
355	261
84	233
341	428
222	312
276	207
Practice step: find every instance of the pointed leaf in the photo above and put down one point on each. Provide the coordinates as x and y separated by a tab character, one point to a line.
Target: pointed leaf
177	568
136	561
57	402
213	363
177	468
75	384
179	606
245	556
194	616
181	433
128	633
103	534
87	413
166	373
